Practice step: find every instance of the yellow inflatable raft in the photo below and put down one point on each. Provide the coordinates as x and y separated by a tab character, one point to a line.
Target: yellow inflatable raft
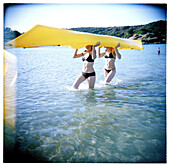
48	36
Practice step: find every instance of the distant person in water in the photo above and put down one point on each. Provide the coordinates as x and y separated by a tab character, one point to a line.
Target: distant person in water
159	51
88	57
110	57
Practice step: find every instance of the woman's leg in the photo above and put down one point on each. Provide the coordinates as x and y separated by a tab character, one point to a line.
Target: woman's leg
79	80
105	74
91	81
110	75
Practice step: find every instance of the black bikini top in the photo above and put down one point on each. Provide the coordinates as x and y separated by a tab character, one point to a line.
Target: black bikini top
110	56
89	59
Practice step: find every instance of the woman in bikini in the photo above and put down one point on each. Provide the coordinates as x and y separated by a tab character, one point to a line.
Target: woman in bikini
110	57
88	57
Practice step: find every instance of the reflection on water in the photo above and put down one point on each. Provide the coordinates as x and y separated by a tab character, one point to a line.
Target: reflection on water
120	122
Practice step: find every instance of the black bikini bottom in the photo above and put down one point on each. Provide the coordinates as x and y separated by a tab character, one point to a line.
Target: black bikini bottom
86	75
108	70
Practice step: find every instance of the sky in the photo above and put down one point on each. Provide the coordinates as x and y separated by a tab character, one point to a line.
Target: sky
24	16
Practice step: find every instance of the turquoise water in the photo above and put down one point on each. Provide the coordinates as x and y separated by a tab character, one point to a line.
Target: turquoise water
124	121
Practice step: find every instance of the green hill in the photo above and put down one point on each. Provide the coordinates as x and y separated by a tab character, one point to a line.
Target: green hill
9	34
154	32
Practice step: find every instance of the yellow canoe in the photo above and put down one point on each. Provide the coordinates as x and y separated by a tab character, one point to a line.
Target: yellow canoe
41	35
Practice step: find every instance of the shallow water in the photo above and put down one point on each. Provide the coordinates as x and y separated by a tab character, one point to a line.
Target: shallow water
124	121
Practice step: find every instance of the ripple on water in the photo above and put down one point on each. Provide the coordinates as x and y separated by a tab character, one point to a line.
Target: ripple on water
124	121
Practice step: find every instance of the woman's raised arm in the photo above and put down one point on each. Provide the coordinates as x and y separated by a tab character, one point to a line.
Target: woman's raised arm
117	52
94	51
100	54
77	55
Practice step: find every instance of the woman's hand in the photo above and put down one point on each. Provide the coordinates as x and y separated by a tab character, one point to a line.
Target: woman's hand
118	45
97	44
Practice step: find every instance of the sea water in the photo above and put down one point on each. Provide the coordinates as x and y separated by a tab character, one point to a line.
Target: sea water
124	121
